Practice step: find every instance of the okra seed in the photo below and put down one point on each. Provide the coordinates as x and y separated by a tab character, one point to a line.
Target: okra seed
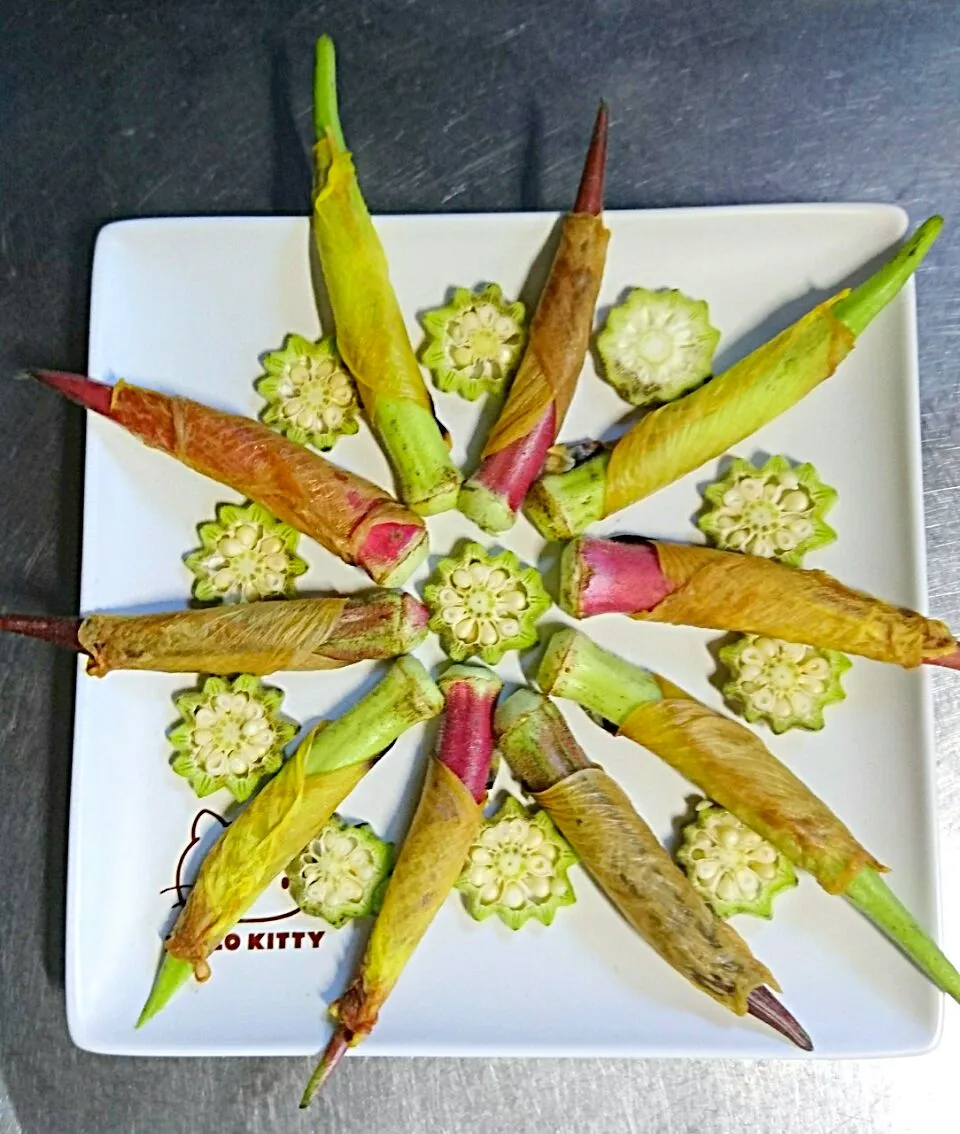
490	892
538	887
488	634
513	896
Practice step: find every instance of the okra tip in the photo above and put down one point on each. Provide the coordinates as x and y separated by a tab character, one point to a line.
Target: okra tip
172	975
764	1006
63	632
335	1051
590	194
870	894
858	309
86	392
326	115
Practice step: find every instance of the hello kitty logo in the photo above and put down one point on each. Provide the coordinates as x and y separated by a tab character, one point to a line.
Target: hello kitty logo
206	827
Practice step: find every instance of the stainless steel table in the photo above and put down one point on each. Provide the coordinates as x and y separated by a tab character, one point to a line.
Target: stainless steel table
202	106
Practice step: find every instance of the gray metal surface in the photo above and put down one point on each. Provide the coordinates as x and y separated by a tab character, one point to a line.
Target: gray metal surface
111	110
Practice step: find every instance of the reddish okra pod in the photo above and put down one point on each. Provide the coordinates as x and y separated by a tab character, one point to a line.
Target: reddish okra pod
445	824
690	585
348	515
516	448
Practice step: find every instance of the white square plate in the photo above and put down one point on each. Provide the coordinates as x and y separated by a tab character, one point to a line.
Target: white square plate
188	306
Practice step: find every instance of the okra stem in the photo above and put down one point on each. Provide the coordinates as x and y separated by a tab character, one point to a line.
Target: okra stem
404	697
559	505
465	743
540	749
576	668
602	576
495	492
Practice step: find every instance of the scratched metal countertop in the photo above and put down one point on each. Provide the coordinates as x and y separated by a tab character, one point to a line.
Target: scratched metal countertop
112	110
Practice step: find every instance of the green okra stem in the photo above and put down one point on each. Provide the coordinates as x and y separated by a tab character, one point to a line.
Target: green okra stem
576	668
404	697
559	505
537	743
411	435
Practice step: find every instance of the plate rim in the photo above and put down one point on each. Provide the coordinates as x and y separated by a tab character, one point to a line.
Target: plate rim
106	237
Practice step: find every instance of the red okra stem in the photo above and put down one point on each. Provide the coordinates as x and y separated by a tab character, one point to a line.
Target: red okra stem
611	576
48	628
505	474
466	740
350	516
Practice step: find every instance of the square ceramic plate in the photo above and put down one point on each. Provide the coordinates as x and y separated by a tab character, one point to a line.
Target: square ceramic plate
188	306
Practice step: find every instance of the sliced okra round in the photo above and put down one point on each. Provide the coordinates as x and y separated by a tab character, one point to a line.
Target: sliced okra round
244	555
341	873
657	345
517	868
732	867
785	684
474	344
310	396
484	604
230	735
775	510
